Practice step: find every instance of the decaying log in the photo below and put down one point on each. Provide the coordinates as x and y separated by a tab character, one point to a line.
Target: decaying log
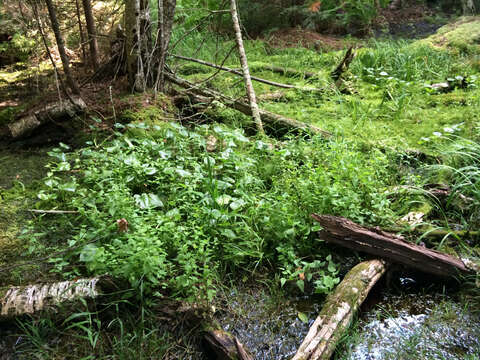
225	346
339	310
266	116
343	232
52	112
30	299
289	72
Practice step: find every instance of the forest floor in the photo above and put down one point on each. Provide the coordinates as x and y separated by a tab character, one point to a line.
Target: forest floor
393	134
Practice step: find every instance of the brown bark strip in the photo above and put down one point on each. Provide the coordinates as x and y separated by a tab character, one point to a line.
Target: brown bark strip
266	116
339	310
246	72
344	232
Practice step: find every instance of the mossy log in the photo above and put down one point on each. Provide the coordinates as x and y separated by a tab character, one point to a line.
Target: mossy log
31	299
266	116
51	112
288	72
343	232
339	310
225	346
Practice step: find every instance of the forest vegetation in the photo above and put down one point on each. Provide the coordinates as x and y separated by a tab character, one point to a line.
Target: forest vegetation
170	154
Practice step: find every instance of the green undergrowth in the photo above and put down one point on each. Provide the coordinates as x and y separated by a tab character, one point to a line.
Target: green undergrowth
163	205
387	99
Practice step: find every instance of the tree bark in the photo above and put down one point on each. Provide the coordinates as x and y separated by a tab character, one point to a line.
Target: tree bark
22	300
166	15
91	33
61	48
80	29
346	233
246	72
338	311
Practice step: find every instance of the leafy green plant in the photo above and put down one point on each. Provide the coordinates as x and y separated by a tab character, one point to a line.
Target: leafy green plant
156	206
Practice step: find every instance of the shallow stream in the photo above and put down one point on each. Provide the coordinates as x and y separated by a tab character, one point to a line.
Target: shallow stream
396	324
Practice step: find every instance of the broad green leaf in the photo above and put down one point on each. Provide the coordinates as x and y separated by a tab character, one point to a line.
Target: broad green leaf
303	317
148	201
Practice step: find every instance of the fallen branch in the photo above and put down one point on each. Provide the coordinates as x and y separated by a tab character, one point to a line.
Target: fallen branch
30	299
266	116
338	311
52	211
236	72
289	72
346	233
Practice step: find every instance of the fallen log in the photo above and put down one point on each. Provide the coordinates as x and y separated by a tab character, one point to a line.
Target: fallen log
239	73
225	346
339	310
289	72
51	112
343	232
23	300
266	116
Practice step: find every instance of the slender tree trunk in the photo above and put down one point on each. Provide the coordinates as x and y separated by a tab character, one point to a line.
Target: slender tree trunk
131	40
246	72
91	32
80	29
166	15
61	48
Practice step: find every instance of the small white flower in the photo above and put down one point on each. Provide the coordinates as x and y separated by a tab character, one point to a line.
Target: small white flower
448	130
436	133
383	73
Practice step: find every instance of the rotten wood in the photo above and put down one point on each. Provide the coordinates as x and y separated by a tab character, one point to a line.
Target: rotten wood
24	300
338	311
343	66
52	112
225	346
343	232
266	116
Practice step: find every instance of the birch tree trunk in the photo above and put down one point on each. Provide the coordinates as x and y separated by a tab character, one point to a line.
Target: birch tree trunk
246	72
61	48
91	33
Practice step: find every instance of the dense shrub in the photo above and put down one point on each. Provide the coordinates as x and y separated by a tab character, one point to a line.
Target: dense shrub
194	212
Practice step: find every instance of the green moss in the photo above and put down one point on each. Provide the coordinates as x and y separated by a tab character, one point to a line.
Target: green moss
462	36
